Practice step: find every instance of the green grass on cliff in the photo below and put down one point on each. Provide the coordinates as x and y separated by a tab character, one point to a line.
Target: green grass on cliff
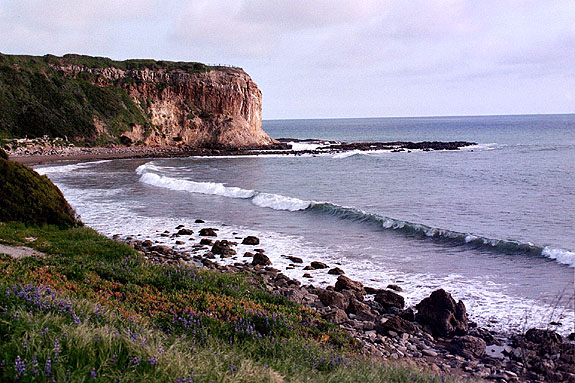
93	310
37	99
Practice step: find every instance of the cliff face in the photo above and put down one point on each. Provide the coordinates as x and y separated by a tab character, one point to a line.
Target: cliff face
155	104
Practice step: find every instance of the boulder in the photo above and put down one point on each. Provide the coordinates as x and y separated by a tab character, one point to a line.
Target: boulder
294	259
208	232
395	287
361	310
223	248
388	298
251	240
344	283
247	254
318	265
206	241
261	259
163	249
333	298
199	221
467	346
185	232
336	271
394	323
337	316
441	315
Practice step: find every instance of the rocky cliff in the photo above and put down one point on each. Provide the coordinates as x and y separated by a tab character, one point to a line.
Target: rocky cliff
133	102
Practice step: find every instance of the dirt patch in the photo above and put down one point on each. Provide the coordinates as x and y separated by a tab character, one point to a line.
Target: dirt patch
18	252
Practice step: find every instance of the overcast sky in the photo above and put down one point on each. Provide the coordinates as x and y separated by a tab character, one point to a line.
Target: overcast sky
333	58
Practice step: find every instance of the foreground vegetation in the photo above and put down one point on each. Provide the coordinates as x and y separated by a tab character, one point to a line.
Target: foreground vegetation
92	309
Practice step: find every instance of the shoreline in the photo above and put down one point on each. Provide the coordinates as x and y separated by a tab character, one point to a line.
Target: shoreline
42	154
377	318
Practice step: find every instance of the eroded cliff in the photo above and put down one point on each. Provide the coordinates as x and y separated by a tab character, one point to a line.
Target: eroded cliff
134	102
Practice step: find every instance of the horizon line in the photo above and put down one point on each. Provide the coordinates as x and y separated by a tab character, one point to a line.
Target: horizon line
426	116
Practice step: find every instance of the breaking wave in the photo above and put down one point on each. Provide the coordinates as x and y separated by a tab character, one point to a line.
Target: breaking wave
280	202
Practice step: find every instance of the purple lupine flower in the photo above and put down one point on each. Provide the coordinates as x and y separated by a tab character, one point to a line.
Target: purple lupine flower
19	367
233	369
93	374
153	361
48	368
34	364
56	349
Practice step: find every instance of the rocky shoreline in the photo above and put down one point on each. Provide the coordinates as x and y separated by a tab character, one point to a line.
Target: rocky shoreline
45	150
436	334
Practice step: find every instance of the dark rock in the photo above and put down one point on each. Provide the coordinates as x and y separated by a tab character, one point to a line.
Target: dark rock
344	283
199	221
206	241
180	242
407	314
208	232
361	310
308	268
468	346
147	243
260	250
223	248
318	265
247	254
336	271
371	290
185	232
394	323
388	298
261	259
294	259
179	227
441	315
251	240
395	287
162	249
210	256
307	275
353	294
545	337
333	298
337	316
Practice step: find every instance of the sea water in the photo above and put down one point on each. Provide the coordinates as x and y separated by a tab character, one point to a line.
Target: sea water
494	223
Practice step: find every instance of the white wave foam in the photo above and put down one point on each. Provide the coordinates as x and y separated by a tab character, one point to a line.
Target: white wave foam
279	202
212	188
273	201
489	146
67	168
561	256
306	145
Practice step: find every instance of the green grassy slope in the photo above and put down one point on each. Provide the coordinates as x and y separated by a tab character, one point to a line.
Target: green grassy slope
93	310
25	196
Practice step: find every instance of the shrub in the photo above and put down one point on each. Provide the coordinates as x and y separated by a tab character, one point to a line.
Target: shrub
26	196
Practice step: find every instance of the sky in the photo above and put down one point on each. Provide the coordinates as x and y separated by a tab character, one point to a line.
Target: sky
333	58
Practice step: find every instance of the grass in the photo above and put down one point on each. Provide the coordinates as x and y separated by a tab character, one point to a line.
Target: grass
29	197
93	310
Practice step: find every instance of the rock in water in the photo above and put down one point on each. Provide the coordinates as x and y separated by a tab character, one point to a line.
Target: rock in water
336	271
318	265
251	240
208	232
223	248
261	259
440	314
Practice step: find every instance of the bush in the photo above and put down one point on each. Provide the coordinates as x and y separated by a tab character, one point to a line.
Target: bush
26	196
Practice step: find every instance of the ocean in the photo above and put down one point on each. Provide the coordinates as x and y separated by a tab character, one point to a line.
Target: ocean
494	223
